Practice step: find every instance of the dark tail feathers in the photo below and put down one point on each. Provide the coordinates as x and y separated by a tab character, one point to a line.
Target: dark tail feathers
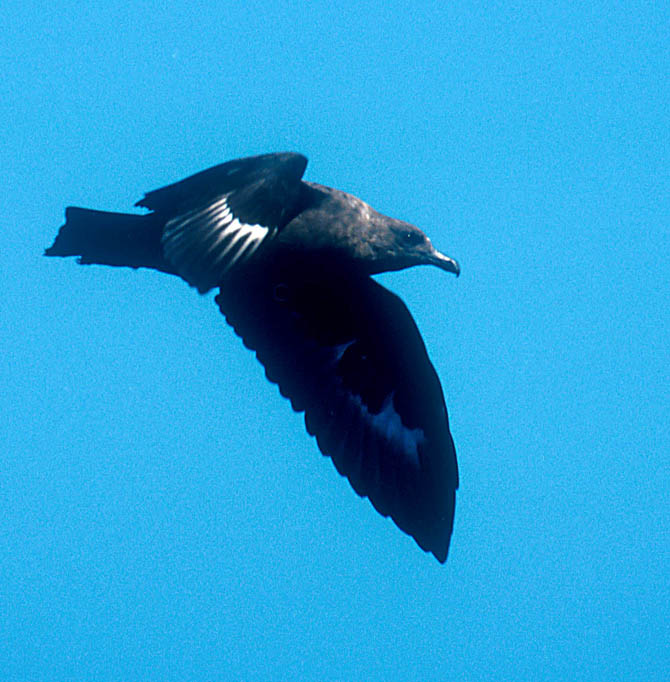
120	239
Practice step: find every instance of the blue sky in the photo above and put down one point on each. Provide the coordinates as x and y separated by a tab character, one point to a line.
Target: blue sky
163	514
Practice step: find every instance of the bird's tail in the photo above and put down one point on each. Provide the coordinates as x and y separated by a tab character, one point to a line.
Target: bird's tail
120	239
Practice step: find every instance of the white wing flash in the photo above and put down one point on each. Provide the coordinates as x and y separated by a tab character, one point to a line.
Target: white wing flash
204	243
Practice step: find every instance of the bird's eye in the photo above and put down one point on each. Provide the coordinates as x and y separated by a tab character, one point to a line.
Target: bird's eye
412	237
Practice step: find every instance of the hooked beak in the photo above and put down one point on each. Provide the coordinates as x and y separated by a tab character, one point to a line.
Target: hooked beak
444	262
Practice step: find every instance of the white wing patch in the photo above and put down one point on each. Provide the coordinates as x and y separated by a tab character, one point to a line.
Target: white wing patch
388	425
202	244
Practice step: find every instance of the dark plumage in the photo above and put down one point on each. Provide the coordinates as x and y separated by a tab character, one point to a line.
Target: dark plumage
293	262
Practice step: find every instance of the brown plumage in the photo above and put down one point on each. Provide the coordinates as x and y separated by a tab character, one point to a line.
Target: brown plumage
293	260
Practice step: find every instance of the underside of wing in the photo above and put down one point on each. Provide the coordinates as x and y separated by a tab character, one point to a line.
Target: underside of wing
219	217
346	351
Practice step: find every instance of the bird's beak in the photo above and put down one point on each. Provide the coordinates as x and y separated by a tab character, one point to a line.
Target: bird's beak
444	262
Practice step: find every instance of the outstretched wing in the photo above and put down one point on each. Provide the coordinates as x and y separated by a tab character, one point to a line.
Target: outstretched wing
347	352
221	216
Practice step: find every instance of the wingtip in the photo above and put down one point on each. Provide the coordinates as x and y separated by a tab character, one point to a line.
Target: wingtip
295	160
439	549
441	554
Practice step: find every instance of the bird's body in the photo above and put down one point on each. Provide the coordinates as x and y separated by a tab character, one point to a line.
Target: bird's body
293	261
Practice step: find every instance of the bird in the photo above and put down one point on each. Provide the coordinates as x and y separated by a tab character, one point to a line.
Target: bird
293	262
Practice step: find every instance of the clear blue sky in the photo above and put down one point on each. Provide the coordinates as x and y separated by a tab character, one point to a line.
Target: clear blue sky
163	514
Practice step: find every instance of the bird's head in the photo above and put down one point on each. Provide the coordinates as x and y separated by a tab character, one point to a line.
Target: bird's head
352	228
399	245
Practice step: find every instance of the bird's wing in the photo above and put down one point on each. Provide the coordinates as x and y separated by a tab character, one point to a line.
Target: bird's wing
347	352
220	216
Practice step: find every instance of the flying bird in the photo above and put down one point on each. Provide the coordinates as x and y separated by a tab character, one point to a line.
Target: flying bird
293	262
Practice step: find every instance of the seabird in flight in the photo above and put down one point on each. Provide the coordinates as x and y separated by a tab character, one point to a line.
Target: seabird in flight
293	262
